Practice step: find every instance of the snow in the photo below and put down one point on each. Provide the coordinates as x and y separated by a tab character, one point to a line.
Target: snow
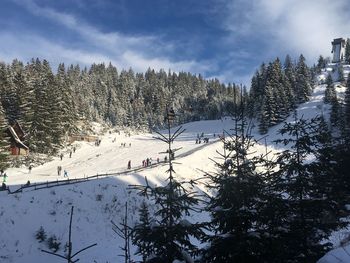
96	202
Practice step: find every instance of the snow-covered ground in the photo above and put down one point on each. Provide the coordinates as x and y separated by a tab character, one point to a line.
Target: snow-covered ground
97	202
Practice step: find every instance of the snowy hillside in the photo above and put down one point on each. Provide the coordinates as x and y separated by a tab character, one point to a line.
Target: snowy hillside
99	201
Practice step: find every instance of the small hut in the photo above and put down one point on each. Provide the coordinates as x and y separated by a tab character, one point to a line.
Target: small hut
16	134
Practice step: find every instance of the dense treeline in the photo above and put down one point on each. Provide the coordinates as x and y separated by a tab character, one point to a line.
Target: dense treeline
276	90
49	105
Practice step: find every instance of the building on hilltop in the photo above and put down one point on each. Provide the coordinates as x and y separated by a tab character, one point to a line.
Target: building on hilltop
338	50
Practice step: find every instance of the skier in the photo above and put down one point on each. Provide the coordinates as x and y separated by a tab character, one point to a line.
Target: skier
65	173
30	168
129	164
74	149
61	156
59	169
5	178
70	154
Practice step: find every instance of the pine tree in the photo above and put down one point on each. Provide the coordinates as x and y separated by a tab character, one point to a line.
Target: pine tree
169	235
290	76
309	205
321	64
347	111
303	81
141	234
329	94
341	77
25	93
8	93
336	112
237	202
347	51
4	144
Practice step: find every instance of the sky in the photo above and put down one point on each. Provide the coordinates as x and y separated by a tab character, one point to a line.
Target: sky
224	39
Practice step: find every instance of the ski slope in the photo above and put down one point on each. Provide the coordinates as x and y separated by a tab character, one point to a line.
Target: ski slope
99	201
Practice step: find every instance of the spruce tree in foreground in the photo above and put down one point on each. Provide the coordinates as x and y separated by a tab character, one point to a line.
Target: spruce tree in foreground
312	211
238	201
165	236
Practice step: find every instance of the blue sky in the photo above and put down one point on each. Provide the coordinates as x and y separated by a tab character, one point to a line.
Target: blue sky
217	38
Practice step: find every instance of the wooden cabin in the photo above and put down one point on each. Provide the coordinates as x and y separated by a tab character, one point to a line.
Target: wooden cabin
16	134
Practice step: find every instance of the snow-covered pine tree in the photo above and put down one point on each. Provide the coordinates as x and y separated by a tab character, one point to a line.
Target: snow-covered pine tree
41	133
309	207
347	51
290	86
321	64
303	81
237	200
4	144
330	93
268	114
25	93
8	93
169	235
341	77
65	108
336	112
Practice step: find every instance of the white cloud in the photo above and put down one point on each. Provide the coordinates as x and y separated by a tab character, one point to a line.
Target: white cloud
25	47
293	26
138	52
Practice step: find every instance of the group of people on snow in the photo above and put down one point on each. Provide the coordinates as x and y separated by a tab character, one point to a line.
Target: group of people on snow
98	142
59	171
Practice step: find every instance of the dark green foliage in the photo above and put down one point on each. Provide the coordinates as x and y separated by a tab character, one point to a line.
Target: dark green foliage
341	77
4	144
336	112
41	234
321	64
239	202
141	235
330	94
347	51
303	81
347	111
53	243
166	236
275	91
312	211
